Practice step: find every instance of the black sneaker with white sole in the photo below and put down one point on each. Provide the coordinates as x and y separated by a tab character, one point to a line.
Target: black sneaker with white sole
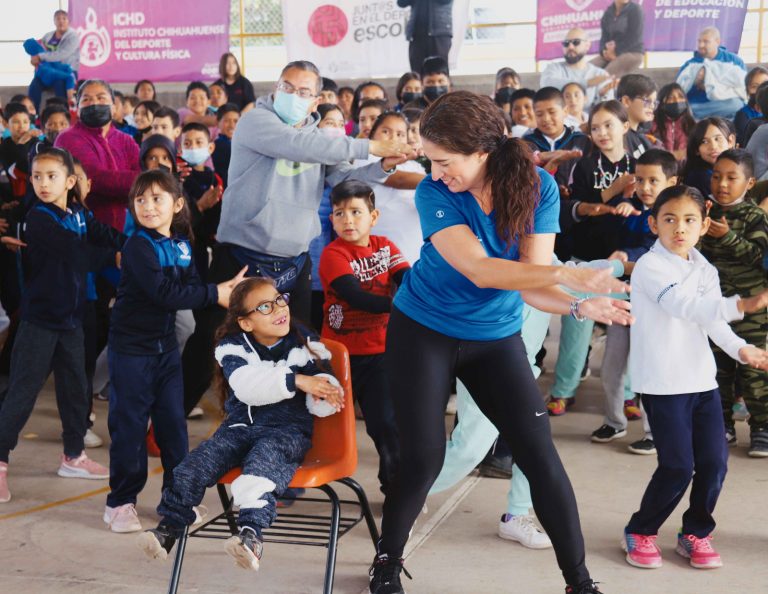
385	575
758	442
588	587
607	433
730	434
246	548
643	447
157	542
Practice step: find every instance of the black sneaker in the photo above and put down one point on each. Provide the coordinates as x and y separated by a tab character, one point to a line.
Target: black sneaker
588	587
758	442
643	447
246	548
730	434
157	542
496	467
385	575
607	433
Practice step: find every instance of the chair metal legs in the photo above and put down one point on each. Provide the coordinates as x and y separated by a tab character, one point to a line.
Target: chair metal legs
181	545
333	538
365	507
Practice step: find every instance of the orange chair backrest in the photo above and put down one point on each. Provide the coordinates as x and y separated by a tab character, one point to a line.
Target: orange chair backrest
334	438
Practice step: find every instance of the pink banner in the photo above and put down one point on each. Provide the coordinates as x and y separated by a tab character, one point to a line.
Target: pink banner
129	40
557	17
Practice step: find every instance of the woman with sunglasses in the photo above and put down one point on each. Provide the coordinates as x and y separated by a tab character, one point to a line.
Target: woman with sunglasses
621	38
576	68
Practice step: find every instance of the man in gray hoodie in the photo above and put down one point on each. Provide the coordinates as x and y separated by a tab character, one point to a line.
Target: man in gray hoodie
280	164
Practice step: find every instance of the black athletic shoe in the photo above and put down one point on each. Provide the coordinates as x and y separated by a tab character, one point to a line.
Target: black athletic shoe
496	467
607	433
246	548
157	542
385	575
643	447
588	587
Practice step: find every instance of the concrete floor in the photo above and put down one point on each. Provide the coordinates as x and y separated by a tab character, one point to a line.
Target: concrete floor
52	539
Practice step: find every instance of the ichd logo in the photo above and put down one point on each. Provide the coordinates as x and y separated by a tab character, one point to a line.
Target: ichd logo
95	45
578	5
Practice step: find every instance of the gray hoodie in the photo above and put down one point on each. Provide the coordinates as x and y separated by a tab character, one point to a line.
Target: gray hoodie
276	179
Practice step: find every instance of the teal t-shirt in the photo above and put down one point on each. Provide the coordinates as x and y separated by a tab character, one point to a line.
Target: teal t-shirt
436	295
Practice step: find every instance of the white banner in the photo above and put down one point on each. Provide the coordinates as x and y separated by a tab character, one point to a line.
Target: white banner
356	38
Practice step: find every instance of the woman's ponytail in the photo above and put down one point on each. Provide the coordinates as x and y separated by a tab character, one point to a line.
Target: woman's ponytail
514	188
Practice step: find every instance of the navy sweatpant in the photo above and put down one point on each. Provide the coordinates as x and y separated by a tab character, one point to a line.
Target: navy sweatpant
690	443
144	387
269	456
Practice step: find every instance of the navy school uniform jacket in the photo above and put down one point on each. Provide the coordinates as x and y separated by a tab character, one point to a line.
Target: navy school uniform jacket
57	261
158	277
572	139
261	381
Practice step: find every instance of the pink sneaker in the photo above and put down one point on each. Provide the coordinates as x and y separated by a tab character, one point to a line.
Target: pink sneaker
642	550
5	494
698	550
82	467
122	519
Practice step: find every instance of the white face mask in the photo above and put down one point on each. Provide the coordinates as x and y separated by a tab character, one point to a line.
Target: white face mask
196	156
333	132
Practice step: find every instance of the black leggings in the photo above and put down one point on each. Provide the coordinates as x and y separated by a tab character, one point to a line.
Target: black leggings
420	363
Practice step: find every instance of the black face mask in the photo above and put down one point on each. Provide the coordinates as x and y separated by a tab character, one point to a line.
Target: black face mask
96	116
674	110
433	93
504	95
408	97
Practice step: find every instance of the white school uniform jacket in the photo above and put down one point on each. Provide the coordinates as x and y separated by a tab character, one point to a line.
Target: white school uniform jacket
678	304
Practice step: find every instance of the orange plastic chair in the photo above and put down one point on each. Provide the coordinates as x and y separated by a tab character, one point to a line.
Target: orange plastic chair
332	458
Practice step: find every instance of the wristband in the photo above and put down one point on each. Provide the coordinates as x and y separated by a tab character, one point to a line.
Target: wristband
575	310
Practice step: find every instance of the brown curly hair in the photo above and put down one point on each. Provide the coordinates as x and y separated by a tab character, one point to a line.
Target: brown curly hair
466	123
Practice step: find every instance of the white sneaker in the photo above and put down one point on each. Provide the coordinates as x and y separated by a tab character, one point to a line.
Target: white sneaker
91	440
5	494
523	530
122	519
195	413
452	407
201	513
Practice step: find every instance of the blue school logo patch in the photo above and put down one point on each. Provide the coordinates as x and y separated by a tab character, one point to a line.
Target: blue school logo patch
183	247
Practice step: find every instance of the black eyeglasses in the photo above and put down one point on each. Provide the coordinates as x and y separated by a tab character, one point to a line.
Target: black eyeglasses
574	42
267	307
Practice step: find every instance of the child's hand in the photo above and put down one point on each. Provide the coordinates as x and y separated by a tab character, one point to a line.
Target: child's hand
619	185
590	209
225	288
551	160
4	225
9	205
320	388
718	229
210	198
753	304
754	357
619	255
625	209
12	243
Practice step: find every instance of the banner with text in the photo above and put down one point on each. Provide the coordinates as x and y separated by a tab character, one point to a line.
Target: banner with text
356	38
674	25
557	17
669	25
129	40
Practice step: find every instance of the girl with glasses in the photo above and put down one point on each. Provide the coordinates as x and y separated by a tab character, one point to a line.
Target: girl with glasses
270	382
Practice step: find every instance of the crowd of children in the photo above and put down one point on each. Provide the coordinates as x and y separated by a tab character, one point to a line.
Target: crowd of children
673	204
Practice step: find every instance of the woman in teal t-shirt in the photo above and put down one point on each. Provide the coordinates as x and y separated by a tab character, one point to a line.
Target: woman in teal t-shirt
489	219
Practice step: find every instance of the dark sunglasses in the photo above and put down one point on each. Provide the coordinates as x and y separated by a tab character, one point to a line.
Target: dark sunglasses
574	42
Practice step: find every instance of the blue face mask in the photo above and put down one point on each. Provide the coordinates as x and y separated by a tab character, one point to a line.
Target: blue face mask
196	156
290	107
